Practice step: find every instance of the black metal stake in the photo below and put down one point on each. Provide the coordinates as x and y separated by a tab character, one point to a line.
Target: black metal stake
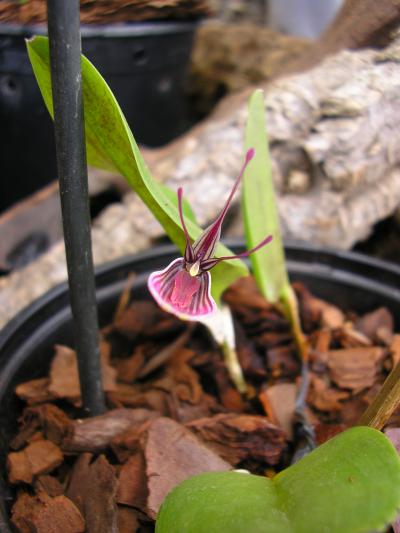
65	56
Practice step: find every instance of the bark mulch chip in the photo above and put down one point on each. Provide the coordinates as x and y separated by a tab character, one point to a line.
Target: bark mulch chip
93	488
42	514
173	411
173	454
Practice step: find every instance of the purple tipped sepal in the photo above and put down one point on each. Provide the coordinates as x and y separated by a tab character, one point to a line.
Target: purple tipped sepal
186	296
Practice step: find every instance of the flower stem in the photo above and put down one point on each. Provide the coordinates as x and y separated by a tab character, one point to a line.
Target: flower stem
384	403
233	367
290	306
221	327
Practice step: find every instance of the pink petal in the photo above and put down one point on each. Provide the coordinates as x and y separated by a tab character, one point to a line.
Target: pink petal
177	292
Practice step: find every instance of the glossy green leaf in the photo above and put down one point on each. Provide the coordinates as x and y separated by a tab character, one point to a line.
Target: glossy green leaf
260	213
111	146
350	484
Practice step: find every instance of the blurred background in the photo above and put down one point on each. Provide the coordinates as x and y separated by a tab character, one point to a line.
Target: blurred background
145	52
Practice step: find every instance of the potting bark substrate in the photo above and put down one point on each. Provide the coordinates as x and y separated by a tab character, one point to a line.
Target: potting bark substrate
173	411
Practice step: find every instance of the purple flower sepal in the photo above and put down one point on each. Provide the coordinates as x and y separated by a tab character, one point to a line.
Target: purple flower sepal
184	286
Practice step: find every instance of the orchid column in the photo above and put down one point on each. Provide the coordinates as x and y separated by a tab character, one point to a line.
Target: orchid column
65	55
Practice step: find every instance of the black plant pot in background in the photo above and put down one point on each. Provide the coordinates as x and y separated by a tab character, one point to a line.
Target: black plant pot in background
144	64
351	281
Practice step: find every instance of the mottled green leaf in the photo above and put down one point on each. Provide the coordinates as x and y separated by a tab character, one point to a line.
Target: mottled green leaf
350	484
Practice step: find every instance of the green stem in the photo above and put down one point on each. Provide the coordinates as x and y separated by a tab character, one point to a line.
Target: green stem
290	305
221	327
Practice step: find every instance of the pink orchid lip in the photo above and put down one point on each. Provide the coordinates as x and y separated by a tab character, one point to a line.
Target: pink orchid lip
183	287
198	303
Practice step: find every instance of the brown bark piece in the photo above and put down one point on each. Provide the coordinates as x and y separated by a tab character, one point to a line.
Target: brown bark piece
244	292
136	319
42	514
172	455
348	337
124	444
377	325
187	386
127	520
64	378
132	482
53	423
51	420
95	434
153	399
323	397
283	362
320	343
355	368
129	368
241	437
395	350
50	485
170	351
324	432
330	315
40	457
250	360
19	468
93	488
34	391
282	400
109	11
44	456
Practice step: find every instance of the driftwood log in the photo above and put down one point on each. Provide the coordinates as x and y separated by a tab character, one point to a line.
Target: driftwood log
334	142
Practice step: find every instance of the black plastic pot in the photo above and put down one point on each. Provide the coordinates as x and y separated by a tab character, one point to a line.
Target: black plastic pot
349	280
145	66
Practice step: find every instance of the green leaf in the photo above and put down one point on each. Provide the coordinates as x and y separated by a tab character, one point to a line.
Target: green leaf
110	145
260	213
350	484
173	198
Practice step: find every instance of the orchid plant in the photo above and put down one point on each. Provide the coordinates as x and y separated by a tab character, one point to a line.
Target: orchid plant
351	483
183	287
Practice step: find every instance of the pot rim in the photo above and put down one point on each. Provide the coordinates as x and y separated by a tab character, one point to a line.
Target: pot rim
325	258
121	30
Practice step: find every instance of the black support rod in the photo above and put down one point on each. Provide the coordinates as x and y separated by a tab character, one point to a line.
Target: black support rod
65	56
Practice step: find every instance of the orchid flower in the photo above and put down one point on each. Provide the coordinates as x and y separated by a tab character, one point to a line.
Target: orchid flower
183	287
